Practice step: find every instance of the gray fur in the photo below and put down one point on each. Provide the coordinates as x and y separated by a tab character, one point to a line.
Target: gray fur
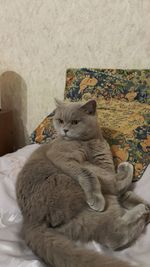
59	179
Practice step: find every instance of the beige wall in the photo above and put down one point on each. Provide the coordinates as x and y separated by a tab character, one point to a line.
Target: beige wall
41	38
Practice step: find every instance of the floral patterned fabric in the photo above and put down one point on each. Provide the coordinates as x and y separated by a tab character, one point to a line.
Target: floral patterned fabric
44	132
123	102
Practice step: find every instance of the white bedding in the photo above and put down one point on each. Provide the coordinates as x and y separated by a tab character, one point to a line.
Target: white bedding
13	251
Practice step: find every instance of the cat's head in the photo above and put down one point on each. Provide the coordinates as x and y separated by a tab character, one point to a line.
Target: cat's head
76	121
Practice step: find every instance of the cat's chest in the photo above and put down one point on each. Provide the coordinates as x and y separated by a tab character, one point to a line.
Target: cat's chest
71	150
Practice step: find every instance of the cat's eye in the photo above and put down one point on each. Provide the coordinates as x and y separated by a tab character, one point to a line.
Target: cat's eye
60	121
74	122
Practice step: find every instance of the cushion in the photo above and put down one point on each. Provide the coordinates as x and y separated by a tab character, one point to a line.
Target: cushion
44	132
123	98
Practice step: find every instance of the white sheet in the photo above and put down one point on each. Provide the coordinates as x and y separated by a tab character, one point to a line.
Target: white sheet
13	251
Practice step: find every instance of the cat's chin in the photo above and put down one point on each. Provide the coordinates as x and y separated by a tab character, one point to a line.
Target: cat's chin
65	137
68	138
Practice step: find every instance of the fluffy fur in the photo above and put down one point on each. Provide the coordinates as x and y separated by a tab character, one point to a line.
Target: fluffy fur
59	179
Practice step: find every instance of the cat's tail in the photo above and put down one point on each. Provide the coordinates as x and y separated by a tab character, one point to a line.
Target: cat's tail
57	250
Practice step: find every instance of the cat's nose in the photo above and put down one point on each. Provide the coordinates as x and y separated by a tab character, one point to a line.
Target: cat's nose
66	130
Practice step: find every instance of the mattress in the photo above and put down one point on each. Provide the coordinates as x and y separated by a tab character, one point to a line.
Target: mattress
14	252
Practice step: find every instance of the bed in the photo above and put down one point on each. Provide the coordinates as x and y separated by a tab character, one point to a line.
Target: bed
123	111
14	252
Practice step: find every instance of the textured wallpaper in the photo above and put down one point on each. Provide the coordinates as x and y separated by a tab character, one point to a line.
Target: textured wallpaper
41	38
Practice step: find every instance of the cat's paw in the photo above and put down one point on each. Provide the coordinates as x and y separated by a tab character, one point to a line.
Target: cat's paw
125	167
148	212
143	210
97	202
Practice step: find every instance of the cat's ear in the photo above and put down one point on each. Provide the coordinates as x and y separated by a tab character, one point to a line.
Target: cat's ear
89	107
58	102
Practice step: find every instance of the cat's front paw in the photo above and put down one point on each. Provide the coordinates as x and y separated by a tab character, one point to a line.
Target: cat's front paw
97	202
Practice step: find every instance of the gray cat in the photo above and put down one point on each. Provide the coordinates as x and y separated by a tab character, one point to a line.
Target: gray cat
58	181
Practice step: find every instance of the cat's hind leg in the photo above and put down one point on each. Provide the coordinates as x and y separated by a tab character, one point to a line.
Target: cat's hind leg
111	228
134	222
124	176
128	227
130	199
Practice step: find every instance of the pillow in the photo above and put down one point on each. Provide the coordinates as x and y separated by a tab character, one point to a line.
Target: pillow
123	111
44	131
